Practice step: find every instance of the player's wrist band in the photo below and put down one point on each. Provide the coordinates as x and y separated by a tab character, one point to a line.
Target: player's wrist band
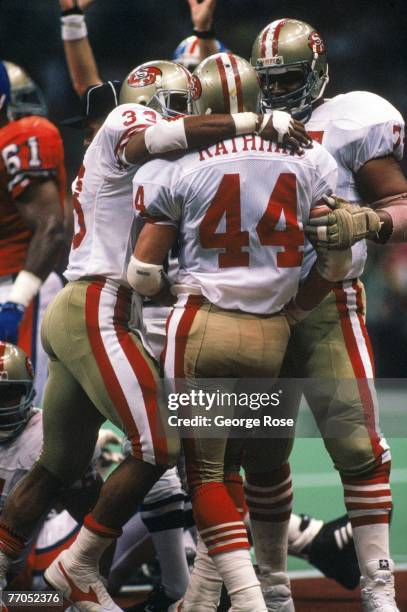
24	288
204	34
73	27
245	123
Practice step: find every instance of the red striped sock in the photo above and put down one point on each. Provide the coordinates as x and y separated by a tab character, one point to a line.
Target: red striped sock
101	530
368	500
269	495
11	544
218	519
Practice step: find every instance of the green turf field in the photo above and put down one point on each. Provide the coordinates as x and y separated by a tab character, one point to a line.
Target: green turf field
318	491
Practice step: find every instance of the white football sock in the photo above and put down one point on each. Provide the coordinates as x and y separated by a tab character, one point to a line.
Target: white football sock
240	579
371	542
205	585
87	549
270	545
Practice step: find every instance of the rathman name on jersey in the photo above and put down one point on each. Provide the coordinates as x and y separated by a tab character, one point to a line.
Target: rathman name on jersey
246	143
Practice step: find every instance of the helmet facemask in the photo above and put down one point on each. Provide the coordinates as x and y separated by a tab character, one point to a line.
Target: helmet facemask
27	100
170	102
298	102
16	398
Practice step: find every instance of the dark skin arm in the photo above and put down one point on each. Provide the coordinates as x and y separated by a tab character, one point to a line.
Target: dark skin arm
205	130
41	211
313	290
377	179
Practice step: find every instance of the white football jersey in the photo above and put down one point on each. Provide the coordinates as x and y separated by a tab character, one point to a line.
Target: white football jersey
240	207
102	198
18	455
355	128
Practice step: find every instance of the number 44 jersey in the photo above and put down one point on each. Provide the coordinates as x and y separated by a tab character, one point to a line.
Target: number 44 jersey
240	207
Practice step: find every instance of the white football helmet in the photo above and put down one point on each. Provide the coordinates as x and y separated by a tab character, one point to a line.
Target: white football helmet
291	46
26	97
161	85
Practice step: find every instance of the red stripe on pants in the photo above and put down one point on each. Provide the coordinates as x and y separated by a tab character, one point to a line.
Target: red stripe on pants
146	381
358	369
105	366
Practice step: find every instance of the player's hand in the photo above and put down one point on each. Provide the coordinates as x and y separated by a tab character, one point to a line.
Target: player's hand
339	225
280	127
10	318
202	13
68	5
293	313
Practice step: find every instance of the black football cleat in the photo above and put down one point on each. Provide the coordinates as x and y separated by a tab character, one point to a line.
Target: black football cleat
156	602
332	551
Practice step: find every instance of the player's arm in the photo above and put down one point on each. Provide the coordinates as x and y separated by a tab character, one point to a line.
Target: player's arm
204	130
145	272
329	268
78	52
383	185
39	207
202	19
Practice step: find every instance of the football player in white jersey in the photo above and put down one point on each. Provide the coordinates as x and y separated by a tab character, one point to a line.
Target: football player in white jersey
99	369
21	440
241	250
365	134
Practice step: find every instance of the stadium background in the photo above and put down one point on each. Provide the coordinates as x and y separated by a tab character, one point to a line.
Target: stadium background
366	50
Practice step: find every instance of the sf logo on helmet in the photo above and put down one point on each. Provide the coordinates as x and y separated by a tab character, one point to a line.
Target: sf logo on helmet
195	88
316	43
144	76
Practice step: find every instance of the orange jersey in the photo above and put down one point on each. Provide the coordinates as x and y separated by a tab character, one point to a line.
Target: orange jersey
31	149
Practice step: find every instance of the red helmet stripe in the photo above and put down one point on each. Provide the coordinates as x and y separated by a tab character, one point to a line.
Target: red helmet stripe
187	73
276	34
263	41
2	351
194	45
238	81
224	82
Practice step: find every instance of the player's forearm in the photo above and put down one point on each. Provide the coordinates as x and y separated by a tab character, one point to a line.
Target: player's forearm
329	268
393	216
44	249
188	133
78	52
207	47
81	64
202	131
313	290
